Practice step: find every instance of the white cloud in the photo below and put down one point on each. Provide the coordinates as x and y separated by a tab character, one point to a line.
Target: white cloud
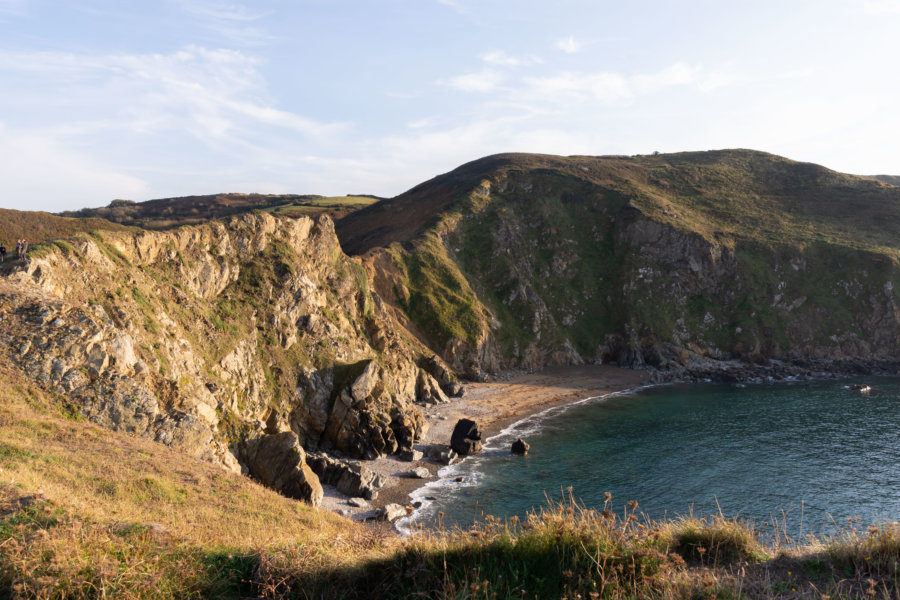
502	59
568	45
216	95
485	80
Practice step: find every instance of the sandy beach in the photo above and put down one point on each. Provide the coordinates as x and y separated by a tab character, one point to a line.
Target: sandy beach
493	405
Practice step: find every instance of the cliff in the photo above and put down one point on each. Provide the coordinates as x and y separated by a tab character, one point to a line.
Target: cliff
208	338
668	261
252	340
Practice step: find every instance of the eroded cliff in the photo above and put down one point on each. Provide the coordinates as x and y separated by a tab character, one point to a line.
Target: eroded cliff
209	337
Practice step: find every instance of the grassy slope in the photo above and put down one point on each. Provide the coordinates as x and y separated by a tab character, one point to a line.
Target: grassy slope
766	208
41	226
85	513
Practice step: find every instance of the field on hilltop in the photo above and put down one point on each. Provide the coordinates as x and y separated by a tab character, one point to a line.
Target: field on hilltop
188	210
41	226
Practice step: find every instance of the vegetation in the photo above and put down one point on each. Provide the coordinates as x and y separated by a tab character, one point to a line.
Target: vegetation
86	513
546	245
172	212
39	227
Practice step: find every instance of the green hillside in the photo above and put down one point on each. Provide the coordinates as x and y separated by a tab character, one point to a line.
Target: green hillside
727	254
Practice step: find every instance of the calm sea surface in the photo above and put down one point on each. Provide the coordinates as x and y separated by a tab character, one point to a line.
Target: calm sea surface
759	450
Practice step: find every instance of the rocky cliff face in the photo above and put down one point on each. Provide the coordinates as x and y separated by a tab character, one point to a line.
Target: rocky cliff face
209	337
548	260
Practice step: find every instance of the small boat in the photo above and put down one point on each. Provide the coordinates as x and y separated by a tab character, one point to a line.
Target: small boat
860	387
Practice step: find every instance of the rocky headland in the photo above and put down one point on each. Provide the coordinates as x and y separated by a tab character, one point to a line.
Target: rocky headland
303	351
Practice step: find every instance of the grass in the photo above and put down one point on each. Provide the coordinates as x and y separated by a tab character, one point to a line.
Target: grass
88	513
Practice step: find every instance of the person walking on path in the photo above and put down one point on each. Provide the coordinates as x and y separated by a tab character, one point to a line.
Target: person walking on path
2	252
24	248
19	248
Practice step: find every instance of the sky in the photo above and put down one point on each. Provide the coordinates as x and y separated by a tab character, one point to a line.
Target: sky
105	99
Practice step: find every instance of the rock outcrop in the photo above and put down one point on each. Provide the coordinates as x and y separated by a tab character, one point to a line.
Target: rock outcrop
520	447
210	338
466	437
278	461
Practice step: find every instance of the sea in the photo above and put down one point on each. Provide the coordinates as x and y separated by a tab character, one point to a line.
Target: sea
809	455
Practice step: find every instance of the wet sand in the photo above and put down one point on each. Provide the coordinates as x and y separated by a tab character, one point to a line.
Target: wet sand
494	406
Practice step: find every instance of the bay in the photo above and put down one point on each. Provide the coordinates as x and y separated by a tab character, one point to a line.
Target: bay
808	452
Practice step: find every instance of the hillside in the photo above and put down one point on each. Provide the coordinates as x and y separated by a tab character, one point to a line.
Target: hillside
664	260
191	210
86	513
41	226
244	342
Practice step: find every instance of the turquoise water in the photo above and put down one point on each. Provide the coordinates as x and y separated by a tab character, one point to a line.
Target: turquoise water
758	451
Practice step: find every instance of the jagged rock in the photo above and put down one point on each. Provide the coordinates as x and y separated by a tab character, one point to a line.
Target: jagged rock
419	473
428	390
444	376
408	427
278	461
392	512
466	437
359	502
349	478
369	515
310	417
368	383
520	446
410	455
448	457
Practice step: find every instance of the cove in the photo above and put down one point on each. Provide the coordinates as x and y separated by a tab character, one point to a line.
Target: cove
811	449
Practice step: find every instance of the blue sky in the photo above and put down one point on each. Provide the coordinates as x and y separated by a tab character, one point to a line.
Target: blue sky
104	99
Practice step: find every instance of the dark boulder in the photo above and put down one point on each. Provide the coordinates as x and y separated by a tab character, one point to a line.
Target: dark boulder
466	438
278	461
520	446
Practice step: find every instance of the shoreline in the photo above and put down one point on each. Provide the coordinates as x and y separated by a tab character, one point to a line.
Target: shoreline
509	399
495	406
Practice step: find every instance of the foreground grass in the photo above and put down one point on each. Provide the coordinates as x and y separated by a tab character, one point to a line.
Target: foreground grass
85	513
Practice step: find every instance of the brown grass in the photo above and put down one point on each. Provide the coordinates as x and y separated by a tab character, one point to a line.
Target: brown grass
86	513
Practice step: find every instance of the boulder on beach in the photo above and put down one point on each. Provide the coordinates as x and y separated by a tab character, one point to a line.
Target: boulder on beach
279	462
466	438
419	473
392	512
520	447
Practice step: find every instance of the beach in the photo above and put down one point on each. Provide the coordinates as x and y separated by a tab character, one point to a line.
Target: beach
494	405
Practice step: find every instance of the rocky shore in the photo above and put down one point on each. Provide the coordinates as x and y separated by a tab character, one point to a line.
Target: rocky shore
493	405
509	398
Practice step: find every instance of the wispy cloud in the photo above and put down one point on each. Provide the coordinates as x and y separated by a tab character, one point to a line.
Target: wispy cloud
190	103
568	45
500	58
233	21
209	92
482	81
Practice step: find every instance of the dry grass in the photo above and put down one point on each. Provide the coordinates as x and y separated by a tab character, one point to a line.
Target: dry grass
85	513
